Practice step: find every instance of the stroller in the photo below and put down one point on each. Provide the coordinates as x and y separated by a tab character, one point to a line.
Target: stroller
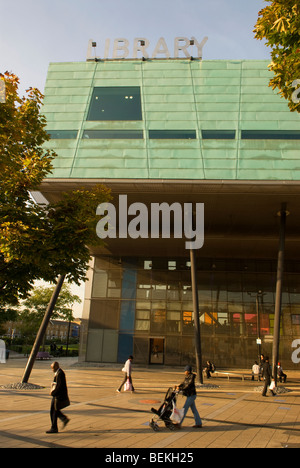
165	411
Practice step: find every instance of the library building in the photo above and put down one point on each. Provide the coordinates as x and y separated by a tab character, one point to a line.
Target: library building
181	138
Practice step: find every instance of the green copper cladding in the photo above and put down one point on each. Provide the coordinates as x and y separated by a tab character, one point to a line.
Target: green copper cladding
211	101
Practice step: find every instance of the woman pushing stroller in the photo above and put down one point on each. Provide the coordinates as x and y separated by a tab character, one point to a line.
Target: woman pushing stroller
188	388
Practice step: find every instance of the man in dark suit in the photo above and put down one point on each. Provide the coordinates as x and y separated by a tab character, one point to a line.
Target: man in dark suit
60	400
267	376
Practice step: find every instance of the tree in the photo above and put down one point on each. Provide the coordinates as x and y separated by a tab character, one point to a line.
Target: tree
279	24
37	242
34	307
23	165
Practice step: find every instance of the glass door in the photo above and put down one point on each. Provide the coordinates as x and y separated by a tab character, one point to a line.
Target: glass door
157	351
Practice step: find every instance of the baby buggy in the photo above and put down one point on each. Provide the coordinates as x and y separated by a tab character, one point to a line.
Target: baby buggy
165	411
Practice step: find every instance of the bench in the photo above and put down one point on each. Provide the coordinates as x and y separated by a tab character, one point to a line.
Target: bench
242	375
43	355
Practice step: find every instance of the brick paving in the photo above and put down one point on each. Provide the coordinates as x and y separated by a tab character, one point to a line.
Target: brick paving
234	414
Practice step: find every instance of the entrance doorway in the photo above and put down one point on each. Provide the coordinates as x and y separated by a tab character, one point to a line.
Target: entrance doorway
157	351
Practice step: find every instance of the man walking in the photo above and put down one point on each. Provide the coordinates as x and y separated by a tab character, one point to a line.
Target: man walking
267	376
60	400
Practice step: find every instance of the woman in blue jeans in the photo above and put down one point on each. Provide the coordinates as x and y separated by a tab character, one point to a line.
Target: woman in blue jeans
188	389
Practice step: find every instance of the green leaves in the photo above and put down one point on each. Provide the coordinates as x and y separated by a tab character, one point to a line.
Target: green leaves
34	307
36	304
37	242
23	161
279	25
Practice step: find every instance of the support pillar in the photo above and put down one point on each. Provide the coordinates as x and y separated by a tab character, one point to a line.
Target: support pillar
196	316
42	330
278	299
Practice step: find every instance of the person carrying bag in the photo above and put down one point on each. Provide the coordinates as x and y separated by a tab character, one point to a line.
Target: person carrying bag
127	369
60	398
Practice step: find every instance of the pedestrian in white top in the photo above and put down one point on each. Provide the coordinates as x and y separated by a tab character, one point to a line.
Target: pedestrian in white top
255	371
127	373
2	352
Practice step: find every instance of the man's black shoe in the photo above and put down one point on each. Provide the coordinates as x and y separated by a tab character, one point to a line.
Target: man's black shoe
65	422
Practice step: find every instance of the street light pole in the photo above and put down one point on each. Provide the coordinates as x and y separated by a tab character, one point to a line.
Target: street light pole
196	316
260	295
280	266
258	324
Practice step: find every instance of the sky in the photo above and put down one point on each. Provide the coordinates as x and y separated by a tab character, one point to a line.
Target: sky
34	33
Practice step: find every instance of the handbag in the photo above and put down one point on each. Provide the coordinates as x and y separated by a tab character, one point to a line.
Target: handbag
177	414
272	385
128	386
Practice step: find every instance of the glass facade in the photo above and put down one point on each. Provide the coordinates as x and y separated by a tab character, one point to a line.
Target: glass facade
115	103
147	305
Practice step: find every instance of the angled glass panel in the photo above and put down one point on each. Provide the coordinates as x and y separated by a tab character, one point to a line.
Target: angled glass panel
218	134
172	134
270	134
113	134
62	134
115	103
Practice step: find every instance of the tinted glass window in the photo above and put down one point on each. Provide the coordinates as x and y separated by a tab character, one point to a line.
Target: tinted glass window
218	134
271	134
113	134
115	103
172	134
62	134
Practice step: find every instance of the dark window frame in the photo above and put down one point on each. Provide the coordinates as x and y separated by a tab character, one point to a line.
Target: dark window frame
63	134
113	134
218	134
115	103
270	134
172	135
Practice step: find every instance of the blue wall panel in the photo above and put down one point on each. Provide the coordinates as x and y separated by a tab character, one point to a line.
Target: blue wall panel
125	346
127	314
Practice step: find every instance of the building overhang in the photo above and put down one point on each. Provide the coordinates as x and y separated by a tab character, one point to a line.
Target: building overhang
241	217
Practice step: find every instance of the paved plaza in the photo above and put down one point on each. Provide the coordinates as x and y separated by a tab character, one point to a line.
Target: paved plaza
234	414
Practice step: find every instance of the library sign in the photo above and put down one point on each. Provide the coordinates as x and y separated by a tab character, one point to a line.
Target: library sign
182	47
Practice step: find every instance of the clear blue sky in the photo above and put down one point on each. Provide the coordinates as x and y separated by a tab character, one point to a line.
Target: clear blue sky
36	32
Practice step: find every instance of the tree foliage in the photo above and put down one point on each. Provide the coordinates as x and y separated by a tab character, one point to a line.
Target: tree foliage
34	307
279	25
36	241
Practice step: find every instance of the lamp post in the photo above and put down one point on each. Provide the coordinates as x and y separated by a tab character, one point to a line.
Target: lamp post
196	316
260	295
280	266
